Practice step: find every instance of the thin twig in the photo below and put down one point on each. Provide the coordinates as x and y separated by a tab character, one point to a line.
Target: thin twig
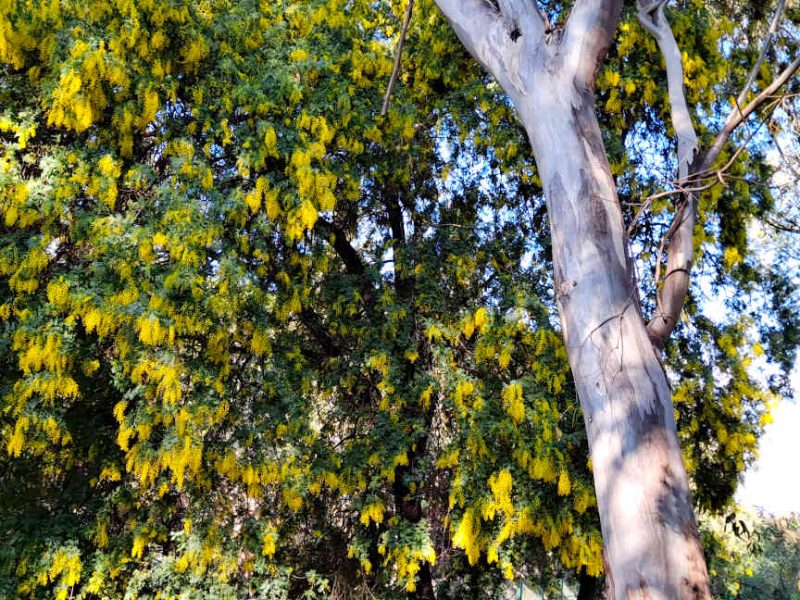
737	116
712	177
785	226
648	201
398	58
764	49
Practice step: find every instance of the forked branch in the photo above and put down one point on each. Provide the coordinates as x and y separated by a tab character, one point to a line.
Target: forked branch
672	295
498	34
740	114
522	18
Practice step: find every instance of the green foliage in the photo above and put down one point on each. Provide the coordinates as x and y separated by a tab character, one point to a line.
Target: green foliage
754	556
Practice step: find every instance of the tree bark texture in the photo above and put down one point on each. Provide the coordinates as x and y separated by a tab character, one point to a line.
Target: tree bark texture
642	489
649	531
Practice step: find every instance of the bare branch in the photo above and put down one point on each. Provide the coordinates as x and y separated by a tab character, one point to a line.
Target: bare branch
699	181
773	27
739	115
678	190
698	174
787	225
588	35
788	164
651	16
398	58
671	296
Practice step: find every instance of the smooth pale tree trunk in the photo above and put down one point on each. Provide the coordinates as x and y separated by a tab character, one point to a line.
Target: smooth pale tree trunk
651	543
648	524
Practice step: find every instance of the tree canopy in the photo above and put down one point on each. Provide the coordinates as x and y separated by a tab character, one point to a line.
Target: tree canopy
260	340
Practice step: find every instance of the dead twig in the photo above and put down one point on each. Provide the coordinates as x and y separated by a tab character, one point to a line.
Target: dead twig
398	58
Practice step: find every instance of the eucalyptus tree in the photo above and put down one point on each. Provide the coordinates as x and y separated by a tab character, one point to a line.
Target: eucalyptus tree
549	72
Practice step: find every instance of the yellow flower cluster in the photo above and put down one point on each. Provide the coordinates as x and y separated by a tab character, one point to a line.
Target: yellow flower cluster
166	376
447	460
79	99
372	512
17	440
270	542
564	485
263	194
99	322
473	322
259	343
408	562
500	484
46	356
513	402
58	293
464	389
467	535
182	456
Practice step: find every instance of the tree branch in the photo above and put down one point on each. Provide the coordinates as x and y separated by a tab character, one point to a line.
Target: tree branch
522	16
323	338
701	180
680	253
739	115
350	257
588	35
773	27
473	21
651	16
672	295
499	36
398	58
